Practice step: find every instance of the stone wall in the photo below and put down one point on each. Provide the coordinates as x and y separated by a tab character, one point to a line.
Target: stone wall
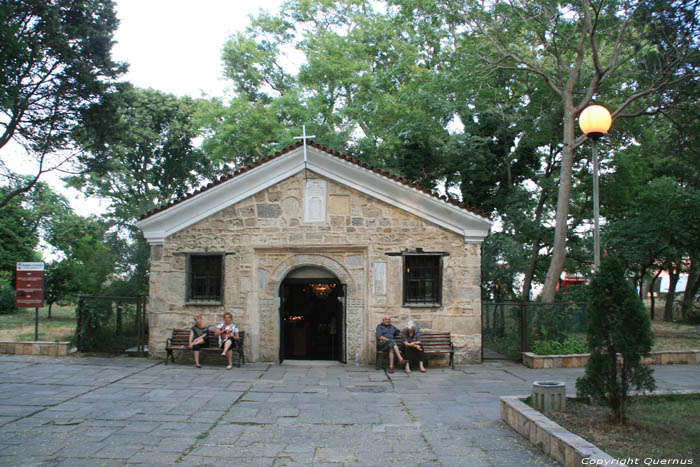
265	237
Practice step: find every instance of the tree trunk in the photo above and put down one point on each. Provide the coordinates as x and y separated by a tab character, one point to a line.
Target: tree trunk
651	292
563	200
527	282
673	275
691	287
50	305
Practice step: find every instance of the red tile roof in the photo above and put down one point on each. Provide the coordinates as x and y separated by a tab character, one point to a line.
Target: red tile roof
332	152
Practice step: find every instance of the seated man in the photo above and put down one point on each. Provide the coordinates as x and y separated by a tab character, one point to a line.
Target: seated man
386	332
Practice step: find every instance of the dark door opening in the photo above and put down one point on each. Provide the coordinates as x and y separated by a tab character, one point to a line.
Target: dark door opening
311	319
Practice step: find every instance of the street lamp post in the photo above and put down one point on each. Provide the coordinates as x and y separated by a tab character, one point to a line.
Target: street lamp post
595	121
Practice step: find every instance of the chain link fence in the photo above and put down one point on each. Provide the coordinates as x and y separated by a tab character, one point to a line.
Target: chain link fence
510	328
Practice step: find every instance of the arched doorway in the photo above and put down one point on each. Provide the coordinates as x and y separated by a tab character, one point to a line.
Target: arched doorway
312	316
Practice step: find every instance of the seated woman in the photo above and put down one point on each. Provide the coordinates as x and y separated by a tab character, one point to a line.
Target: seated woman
412	347
199	336
228	337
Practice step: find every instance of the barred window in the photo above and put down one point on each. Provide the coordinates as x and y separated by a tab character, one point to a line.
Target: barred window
423	279
205	278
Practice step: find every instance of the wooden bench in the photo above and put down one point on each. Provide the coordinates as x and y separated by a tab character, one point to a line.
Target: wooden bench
432	342
181	338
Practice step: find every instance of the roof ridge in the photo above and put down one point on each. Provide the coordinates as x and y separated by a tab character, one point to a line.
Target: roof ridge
333	152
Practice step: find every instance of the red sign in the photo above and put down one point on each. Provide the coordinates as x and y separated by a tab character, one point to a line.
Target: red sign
30	285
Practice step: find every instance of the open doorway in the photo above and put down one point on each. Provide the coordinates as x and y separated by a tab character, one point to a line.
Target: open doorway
312	316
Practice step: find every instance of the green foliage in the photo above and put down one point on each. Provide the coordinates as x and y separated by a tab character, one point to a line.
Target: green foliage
570	345
7	299
18	237
618	325
141	155
96	326
89	263
106	325
56	65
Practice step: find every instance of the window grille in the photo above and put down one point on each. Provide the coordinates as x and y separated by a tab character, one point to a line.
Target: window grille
206	274
423	279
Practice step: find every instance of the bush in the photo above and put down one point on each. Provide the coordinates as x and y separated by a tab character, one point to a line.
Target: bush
617	324
96	327
7	299
570	345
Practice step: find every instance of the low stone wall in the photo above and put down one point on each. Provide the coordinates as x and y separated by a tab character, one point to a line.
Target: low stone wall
53	349
561	445
669	357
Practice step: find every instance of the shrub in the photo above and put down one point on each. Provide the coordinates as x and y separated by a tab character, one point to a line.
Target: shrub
569	345
96	325
617	324
7	299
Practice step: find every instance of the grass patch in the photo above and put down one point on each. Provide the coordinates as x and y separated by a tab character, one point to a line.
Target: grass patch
19	326
659	427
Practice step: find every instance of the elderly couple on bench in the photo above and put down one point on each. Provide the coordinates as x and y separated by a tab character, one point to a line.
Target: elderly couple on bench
387	335
227	332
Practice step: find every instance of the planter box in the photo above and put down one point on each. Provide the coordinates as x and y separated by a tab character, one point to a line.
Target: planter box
556	441
561	445
52	349
669	357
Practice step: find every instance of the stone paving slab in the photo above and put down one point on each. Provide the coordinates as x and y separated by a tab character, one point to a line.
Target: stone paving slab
127	411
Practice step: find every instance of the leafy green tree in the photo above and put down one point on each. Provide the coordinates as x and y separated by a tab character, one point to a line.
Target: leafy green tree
141	154
631	51
619	334
56	64
23	221
17	238
60	283
89	262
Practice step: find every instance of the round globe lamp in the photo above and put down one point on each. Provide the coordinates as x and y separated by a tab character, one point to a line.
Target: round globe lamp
595	121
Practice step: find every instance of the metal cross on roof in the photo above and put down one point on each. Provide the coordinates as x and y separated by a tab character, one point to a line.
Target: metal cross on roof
304	137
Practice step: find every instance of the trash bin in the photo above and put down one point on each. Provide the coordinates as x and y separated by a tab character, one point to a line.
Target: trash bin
549	396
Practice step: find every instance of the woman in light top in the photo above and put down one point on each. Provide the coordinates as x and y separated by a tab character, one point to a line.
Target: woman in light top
227	332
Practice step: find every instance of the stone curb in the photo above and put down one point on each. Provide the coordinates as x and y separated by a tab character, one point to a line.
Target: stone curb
49	348
561	445
668	357
557	442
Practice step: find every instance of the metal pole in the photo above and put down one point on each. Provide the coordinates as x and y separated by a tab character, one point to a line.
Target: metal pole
596	208
36	324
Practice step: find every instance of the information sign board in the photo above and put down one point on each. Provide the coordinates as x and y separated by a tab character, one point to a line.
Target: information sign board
29	290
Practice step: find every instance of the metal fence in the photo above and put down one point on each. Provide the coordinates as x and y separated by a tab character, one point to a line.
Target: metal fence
510	328
112	324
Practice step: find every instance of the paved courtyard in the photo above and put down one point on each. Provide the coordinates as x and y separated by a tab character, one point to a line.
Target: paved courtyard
126	411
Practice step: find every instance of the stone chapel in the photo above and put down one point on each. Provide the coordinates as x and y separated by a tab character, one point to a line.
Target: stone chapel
309	249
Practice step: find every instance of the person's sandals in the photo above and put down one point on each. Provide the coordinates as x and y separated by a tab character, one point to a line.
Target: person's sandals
198	366
422	370
229	367
391	370
408	371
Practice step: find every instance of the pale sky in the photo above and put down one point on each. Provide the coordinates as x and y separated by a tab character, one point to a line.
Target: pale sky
175	45
170	45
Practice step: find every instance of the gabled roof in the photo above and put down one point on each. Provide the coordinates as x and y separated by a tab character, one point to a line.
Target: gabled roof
451	214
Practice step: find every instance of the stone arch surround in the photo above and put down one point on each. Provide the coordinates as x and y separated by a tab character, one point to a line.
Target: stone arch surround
269	301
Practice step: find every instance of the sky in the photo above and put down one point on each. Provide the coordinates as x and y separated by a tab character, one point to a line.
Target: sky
173	46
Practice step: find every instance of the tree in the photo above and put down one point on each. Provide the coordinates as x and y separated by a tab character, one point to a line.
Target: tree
59	283
619	334
633	52
55	65
139	151
23	222
88	264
